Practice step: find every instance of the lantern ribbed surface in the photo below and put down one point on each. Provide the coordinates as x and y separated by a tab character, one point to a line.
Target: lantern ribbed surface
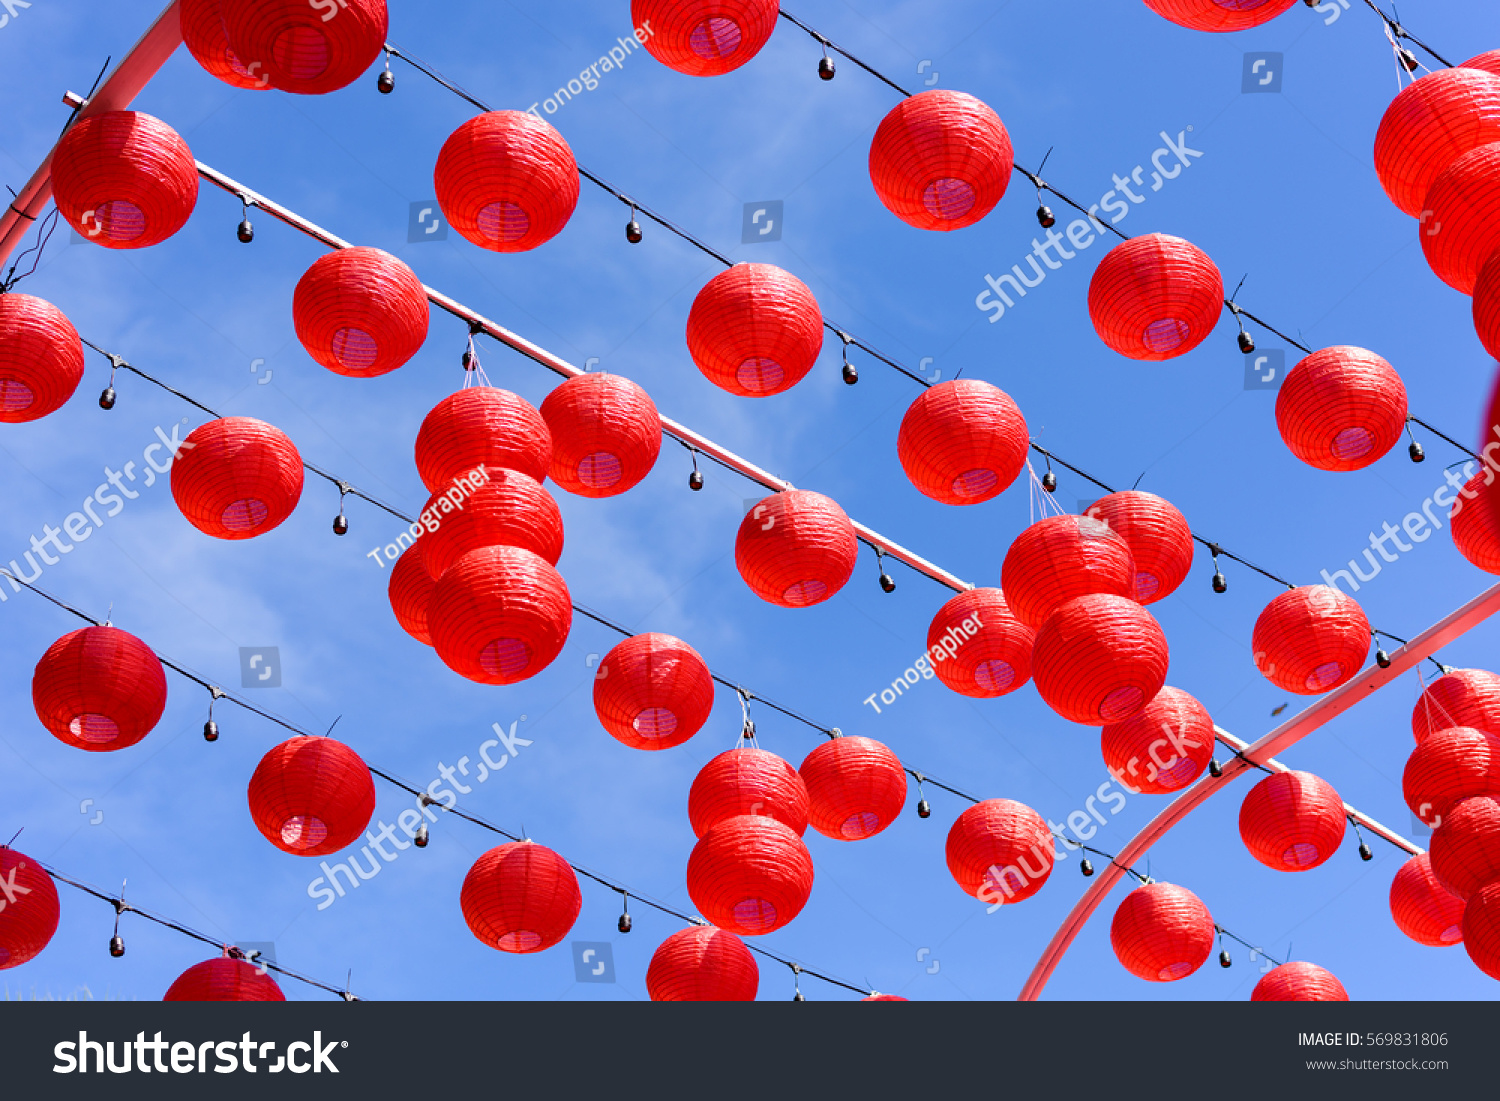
1160	541
1298	982
1099	659
1488	62
311	796
507	181
1155	297
796	548
704	37
962	442
1487	310
28	924
1162	932
499	615
885	998
1060	558
1341	408
992	657
653	691
1429	125
702	964
750	875
1164	748
856	787
307	48
410	593
1292	821
99	689
520	897
1219	15
1311	639
941	160
1000	851
1481	929
360	312
236	478
1422	907
755	330
224	980
1466	847
1464	228
41	358
1474	523
124	179
1447	767
481	426
606	434
208	42
510	510
747	780
1464	697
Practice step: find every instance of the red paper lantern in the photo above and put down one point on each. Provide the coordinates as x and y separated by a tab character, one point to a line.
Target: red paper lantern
1481	929
306	47
1475	523
481	426
1464	697
1155	297
796	548
1311	639
1298	982
236	478
510	510
520	897
962	442
606	434
41	358
1219	15
1162	932
124	179
1423	908
27	924
360	312
941	160
311	796
1160	541
99	689
1341	408
989	657
755	330
702	964
856	787
1429	125
224	980
1448	766
507	181
1060	558
499	615
1164	748
1000	851
885	998
1486	62
653	691
1463	230
750	875
208	42
704	37
1466	847
747	781
1099	659
1292	821
1487	315
410	592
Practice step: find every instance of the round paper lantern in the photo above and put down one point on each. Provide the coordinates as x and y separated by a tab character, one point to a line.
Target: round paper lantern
99	689
507	181
510	510
1292	821
1463	230
1448	766
1000	851
962	442
1060	558
755	330
311	796
747	781
224	980
1162	932
704	37
1481	929
1466	847
1464	697
991	656
236	478
750	875
520	897
856	787
1487	312
124	179
796	548
306	47
606	434
885	998
1298	982
203	32
941	160
481	426
1475	524
1311	639
1155	297
1219	15
1429	125
1341	408
1164	748
27	924
41	358
702	964
1485	62
1423	908
360	312
410	592
1099	659
1160	541
499	615
653	691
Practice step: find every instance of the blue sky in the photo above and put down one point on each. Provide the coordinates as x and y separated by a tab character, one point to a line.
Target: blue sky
1284	191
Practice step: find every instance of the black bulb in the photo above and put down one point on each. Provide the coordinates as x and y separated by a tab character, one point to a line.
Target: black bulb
421	839
468	361
1364	852
1086	868
633	232
1221	583
1225	960
1382	659
695	480
107	399
117	946
625	923
210	731
851	376
1215	769
1045	216
887	582
245	232
1247	342
1049	482
924	809
341	524
1409	59
1416	452
799	997
826	69
386	82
